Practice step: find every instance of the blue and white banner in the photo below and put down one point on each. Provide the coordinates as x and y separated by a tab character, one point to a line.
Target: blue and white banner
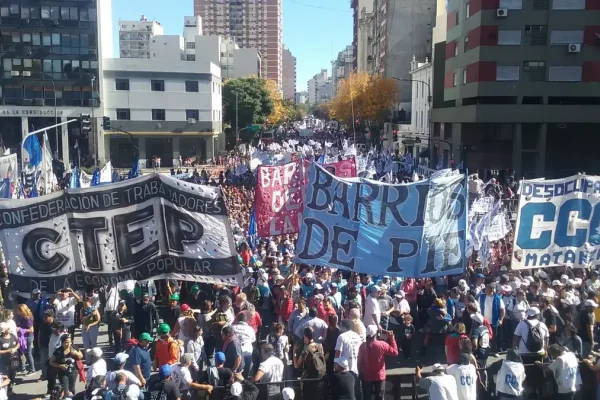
414	230
558	223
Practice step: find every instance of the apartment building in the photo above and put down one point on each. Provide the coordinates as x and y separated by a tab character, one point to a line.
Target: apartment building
289	75
256	24
521	83
342	66
314	86
135	37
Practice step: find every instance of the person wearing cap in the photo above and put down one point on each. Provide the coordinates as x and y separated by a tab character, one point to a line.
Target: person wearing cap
371	361
173	312
120	361
182	377
480	338
493	309
587	321
38	305
593	284
439	385
270	370
342	381
221	317
318	326
185	327
64	308
522	339
145	316
244	389
161	386
139	362
565	369
247	338
386	305
307	288
196	297
335	295
98	365
166	349
372	314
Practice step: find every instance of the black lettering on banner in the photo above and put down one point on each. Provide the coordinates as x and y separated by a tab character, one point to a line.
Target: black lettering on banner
438	205
341	199
310	224
365	200
126	239
402	192
32	251
422	190
445	239
337	245
89	228
397	254
181	228
320	187
459	198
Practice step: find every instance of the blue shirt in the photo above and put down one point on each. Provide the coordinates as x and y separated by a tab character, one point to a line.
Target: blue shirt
141	357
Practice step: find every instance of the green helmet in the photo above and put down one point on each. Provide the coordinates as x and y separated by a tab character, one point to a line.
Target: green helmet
123	292
164	329
174	296
195	289
137	291
146	336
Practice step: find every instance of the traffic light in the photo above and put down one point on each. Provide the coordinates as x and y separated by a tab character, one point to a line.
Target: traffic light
85	124
106	123
395	135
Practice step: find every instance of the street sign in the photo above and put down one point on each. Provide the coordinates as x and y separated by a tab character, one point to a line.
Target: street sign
254	127
410	142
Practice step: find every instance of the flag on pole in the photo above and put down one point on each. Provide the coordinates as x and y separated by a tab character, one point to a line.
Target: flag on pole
33	149
34	191
96	177
106	173
321	159
135	170
252	230
74	178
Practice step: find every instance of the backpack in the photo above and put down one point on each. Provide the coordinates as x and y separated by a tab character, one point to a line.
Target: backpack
120	394
314	363
535	339
213	376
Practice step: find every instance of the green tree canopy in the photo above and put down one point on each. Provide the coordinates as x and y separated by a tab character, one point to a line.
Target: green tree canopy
254	103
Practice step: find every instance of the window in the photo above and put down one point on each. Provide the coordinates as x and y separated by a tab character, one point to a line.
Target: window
25	12
14	9
565	73
509	37
74	14
191	86
158	115
190	45
536	35
190	57
464	76
64	13
56	39
455	49
534	70
46	39
566	37
55	13
568	4
157	86
35	13
123	114
122	84
467	10
466	44
507	73
192	114
455	83
26	38
36	39
457	18
511	4
4	11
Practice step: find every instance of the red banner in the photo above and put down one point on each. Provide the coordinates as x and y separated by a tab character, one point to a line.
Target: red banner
279	200
341	169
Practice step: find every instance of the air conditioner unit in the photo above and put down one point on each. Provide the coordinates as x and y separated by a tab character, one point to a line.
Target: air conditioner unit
502	12
191	120
26	73
14	73
575	48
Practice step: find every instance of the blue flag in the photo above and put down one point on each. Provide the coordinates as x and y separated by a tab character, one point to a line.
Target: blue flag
95	177
5	189
135	170
321	159
21	194
252	231
74	178
33	148
33	193
115	176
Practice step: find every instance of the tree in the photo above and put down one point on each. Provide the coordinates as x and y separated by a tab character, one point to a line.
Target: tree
320	111
364	97
253	102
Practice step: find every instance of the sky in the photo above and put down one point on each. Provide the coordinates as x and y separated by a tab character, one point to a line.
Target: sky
313	30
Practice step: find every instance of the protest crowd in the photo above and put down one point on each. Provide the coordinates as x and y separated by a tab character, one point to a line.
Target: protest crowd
295	330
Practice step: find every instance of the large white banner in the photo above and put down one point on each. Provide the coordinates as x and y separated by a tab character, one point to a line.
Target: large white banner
558	223
151	227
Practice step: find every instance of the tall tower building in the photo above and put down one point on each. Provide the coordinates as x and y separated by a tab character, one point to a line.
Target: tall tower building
135	37
251	24
289	75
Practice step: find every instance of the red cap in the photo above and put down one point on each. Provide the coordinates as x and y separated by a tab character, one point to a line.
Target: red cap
185	307
132	342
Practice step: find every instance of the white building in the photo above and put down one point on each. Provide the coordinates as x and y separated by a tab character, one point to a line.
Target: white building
342	67
363	32
314	85
135	37
301	97
421	74
234	62
171	108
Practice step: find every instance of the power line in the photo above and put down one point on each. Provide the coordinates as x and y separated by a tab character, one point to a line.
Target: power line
319	7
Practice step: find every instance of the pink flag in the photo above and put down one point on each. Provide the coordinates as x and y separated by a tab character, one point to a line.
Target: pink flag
279	199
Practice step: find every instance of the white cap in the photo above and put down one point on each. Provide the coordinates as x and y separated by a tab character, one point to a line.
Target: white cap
506	288
590	303
477	317
279	278
383	287
372	330
4	326
342	362
288	393
530	278
533	311
96	351
556	282
542	274
462	283
120	358
504	268
565	277
309	275
437	367
319	296
236	389
318	286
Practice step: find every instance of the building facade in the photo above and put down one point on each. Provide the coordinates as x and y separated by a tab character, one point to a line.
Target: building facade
252	25
301	97
52	59
521	84
234	62
314	85
342	67
289	75
417	141
135	37
170	108
362	29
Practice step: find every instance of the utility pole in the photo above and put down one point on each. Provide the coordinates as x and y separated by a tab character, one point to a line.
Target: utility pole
55	118
237	125
94	149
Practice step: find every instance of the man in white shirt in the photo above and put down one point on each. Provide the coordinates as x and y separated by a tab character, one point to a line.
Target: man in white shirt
120	360
524	330
465	375
565	369
64	307
372	311
246	337
270	370
346	347
438	385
